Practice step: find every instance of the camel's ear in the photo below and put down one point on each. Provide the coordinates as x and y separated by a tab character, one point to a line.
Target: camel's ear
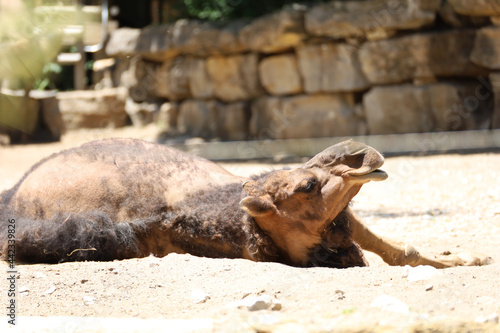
257	206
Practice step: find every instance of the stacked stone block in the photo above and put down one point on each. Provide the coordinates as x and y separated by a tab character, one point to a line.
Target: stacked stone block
335	69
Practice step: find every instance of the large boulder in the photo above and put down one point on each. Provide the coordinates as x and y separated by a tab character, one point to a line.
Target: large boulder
330	67
168	116
475	7
274	32
197	118
486	51
172	79
212	119
450	17
93	108
138	76
156	43
205	38
232	121
495	83
279	75
342	19
421	56
123	42
305	117
428	108
200	84
143	113
235	78
160	43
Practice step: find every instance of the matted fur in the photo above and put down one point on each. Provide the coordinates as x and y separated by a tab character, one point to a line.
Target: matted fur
337	248
222	223
89	236
94	236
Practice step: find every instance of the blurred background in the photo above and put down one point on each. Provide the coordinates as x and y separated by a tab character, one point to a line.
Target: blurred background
245	71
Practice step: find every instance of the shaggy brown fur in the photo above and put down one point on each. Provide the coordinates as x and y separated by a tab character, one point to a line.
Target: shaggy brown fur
94	236
124	198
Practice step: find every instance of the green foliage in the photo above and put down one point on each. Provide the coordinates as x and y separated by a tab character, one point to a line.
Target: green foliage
28	40
223	10
46	79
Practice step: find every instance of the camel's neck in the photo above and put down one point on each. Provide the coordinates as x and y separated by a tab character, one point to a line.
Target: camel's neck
209	223
337	248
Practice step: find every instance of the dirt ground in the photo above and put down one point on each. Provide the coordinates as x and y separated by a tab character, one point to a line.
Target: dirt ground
437	203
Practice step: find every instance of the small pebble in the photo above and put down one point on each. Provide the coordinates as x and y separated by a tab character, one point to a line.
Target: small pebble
50	290
391	304
114	270
256	303
23	291
199	296
421	273
340	294
88	300
429	287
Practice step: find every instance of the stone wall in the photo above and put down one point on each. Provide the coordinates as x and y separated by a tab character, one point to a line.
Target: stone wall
335	69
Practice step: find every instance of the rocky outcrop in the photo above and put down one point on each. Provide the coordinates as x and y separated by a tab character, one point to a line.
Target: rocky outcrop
329	69
342	19
172	79
495	83
280	76
213	119
275	32
434	107
143	113
234	78
476	8
305	117
486	50
124	42
200	83
138	76
421	56
93	109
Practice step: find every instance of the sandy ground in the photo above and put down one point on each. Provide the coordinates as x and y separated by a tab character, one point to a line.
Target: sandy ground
437	203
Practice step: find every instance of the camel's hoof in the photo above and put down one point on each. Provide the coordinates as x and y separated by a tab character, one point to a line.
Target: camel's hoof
468	258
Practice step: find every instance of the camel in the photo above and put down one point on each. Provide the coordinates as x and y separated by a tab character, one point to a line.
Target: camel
127	198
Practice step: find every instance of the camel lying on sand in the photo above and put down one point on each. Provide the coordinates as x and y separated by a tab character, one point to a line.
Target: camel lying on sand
125	198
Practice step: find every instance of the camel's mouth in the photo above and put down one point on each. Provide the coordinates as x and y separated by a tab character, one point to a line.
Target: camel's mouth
374	175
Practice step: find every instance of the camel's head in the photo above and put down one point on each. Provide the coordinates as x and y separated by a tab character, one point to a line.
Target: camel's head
294	207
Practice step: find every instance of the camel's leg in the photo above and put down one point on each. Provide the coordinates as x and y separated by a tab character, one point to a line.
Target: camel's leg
398	254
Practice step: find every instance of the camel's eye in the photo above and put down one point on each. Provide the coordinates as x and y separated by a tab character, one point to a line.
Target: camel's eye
308	185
